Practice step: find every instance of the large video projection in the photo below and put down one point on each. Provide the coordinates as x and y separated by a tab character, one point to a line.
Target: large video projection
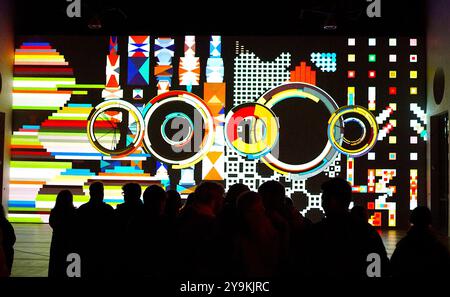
175	110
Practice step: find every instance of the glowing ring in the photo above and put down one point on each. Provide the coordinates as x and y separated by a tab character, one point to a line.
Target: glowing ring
263	133
360	138
200	106
173	116
132	111
336	116
301	91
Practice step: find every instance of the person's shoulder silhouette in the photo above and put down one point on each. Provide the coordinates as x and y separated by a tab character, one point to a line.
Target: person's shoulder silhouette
421	253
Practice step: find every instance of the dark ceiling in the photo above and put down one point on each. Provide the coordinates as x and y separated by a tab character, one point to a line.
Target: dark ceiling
225	17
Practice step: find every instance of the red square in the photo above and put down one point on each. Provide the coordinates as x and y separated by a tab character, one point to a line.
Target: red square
392	90
351	74
372	74
370	205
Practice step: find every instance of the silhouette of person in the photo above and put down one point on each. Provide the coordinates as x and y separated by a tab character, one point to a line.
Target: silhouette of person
125	212
420	253
274	198
359	214
131	206
62	221
299	226
173	205
7	241
96	221
337	246
256	250
149	234
195	231
227	225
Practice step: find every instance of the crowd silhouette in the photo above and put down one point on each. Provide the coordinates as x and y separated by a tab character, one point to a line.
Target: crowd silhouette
240	233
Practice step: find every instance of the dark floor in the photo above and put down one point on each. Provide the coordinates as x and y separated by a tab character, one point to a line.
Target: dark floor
33	245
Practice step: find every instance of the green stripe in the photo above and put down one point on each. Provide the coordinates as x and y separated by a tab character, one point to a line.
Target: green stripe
27	209
33	89
80	92
16	107
45	78
38	164
52	198
81	86
25	220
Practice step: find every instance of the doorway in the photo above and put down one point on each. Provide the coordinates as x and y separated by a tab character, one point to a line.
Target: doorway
439	172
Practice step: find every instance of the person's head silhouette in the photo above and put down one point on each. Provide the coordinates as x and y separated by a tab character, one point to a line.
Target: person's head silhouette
64	200
209	194
132	193
421	217
359	214
233	192
336	197
96	192
273	195
173	203
155	200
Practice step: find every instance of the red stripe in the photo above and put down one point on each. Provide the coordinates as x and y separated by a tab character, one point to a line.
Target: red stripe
43	69
30	153
77	124
35	47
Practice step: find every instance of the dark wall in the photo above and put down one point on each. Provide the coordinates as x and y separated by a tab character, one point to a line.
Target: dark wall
6	62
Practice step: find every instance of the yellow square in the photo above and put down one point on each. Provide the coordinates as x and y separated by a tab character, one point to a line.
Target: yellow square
351	58
392	74
393	123
413	74
413	91
392	139
393	106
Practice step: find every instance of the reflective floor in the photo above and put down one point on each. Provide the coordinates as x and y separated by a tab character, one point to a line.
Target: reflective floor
33	246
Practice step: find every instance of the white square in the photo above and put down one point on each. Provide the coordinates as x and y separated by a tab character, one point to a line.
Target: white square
413	140
413	58
413	156
372	42
351	42
371	156
392	41
413	42
393	58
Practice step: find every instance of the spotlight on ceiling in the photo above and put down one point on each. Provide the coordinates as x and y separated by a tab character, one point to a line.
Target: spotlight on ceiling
330	23
95	23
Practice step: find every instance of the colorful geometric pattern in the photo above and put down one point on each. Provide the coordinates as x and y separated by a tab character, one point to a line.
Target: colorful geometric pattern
138	94
303	73
46	158
214	65
112	89
138	60
164	52
326	62
412	188
419	125
189	67
52	104
213	166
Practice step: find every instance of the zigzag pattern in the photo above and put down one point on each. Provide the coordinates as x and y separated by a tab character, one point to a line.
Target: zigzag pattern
415	124
382	117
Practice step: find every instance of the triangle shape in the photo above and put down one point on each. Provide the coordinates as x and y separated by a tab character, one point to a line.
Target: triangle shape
214	156
213	174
